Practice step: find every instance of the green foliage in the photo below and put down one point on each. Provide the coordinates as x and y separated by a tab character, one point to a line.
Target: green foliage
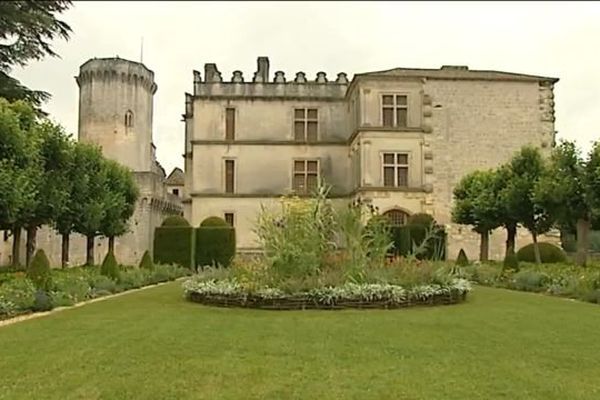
122	194
146	261
476	201
175	220
423	242
110	267
511	261
401	237
423	219
42	301
174	245
461	259
297	237
215	243
549	253
39	272
213	221
528	168
26	29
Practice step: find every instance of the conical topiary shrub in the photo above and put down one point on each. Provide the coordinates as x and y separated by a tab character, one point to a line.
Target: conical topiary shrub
146	262
462	259
110	267
39	272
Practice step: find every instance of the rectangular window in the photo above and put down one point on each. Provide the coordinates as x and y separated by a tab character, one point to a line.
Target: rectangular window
230	124
176	192
394	112
395	169
229	176
306	176
229	218
306	124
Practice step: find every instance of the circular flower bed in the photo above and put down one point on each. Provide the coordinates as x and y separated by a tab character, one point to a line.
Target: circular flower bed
229	293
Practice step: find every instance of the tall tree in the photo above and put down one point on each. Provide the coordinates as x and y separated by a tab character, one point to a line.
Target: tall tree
18	167
507	219
476	205
26	29
121	198
518	195
50	178
568	191
92	200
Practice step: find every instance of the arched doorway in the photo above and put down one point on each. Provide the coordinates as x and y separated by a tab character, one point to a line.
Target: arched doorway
396	217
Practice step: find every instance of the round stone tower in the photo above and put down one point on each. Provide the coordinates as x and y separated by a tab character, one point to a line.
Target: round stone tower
115	110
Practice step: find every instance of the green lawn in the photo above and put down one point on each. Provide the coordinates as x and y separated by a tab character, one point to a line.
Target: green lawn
154	345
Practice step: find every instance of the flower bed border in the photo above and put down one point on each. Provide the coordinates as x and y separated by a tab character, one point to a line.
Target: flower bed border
298	302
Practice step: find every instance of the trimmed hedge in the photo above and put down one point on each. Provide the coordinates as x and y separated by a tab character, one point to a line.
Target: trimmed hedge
175	220
549	253
39	272
215	243
174	245
110	267
146	261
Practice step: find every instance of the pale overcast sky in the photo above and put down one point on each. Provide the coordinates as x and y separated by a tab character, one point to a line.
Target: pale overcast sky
551	39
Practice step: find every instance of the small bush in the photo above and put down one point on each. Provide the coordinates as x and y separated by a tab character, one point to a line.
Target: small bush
17	296
39	271
549	253
132	278
146	262
462	259
101	283
421	219
529	281
175	220
215	243
110	267
511	261
42	301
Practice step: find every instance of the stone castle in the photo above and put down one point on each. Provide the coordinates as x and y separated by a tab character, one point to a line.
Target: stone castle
399	139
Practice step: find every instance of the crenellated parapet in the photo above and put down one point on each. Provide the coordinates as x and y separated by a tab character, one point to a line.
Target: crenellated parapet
263	85
116	70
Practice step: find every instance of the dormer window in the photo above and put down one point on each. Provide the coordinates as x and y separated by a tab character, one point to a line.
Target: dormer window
129	119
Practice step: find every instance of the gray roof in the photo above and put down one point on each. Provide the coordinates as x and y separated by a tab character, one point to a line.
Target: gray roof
455	72
176	177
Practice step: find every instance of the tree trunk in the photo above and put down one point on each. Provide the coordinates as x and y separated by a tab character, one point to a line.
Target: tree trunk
511	234
64	258
16	250
484	247
583	236
30	246
111	244
536	249
89	261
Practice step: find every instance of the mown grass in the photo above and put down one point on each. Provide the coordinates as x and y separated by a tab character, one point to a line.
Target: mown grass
153	344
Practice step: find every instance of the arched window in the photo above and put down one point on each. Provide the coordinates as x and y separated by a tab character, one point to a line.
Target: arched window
396	217
128	119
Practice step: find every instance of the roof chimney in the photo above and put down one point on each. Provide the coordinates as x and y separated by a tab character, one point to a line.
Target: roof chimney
262	74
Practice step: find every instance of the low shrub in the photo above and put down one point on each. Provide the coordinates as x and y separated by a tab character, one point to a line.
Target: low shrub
110	267
549	253
42	301
39	272
462	259
529	281
16	296
146	261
